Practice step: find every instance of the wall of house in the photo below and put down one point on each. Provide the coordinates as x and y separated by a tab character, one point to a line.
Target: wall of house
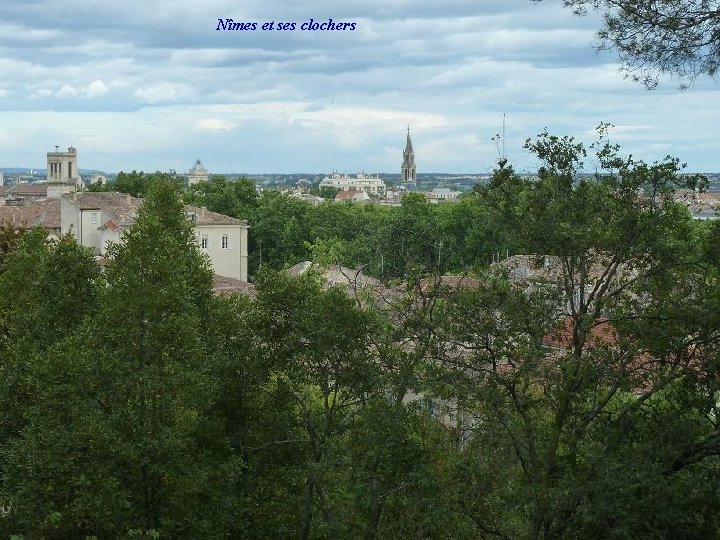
86	229
230	261
69	218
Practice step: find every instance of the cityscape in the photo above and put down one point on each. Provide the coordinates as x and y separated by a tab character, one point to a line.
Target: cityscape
376	270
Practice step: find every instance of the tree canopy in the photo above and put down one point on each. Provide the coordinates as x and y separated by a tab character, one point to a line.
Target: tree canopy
657	37
539	360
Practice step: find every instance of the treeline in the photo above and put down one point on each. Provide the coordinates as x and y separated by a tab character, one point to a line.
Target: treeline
578	403
387	242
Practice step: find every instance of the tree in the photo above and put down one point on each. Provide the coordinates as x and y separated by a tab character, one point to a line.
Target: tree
564	376
121	432
136	183
237	198
656	37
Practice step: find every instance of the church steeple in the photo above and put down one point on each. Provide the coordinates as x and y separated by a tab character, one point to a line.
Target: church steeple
407	171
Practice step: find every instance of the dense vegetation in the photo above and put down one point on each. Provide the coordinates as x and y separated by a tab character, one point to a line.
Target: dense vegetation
584	404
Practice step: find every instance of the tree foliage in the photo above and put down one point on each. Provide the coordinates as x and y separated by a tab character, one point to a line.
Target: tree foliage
657	37
561	384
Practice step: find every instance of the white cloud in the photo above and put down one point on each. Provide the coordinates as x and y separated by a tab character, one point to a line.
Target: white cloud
214	124
162	93
167	79
66	91
96	89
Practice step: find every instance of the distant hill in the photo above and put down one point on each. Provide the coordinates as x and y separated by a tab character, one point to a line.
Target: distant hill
42	172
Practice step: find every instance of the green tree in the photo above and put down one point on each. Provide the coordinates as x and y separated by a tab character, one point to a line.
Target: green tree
237	198
656	37
136	183
127	400
558	375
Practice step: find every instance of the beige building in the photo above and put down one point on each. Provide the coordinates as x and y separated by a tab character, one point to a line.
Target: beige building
197	174
62	172
97	218
373	185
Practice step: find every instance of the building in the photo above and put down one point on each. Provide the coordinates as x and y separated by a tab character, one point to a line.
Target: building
62	172
197	174
352	195
98	218
42	213
98	179
372	185
408	174
443	194
25	192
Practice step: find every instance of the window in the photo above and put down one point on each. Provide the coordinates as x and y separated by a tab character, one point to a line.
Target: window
225	242
94	217
204	241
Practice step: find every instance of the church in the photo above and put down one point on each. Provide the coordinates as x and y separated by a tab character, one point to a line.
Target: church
408	178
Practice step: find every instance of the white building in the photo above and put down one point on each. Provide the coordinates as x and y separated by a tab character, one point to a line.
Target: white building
97	218
444	194
373	185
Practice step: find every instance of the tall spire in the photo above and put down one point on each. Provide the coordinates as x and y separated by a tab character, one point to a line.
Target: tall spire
407	170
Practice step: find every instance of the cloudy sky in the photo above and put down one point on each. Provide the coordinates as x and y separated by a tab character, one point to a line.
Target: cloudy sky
153	85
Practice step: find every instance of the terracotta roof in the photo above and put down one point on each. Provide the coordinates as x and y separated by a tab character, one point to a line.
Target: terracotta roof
601	333
350	195
204	216
103	200
28	190
123	209
223	285
44	213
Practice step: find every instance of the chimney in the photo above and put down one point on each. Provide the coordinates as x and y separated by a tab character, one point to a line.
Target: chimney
203	209
75	196
128	200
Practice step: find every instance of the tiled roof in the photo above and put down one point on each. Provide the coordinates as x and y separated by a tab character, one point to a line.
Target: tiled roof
349	195
223	285
28	190
44	213
206	217
601	333
103	200
123	209
336	275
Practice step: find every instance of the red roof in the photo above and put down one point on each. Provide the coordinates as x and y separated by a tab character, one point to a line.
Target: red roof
601	333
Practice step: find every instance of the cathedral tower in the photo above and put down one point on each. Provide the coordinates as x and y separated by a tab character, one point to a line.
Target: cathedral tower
62	172
407	171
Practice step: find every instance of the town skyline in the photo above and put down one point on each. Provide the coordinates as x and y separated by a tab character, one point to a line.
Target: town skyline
157	92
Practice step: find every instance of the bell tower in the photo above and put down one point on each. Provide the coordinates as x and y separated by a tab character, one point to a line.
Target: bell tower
407	171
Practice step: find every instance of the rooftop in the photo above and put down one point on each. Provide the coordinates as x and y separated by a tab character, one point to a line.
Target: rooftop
43	213
123	209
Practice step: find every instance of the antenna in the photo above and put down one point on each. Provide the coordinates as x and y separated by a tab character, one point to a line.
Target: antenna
56	147
504	157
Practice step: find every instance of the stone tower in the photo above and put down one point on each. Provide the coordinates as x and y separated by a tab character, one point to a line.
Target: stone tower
407	171
62	172
197	174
